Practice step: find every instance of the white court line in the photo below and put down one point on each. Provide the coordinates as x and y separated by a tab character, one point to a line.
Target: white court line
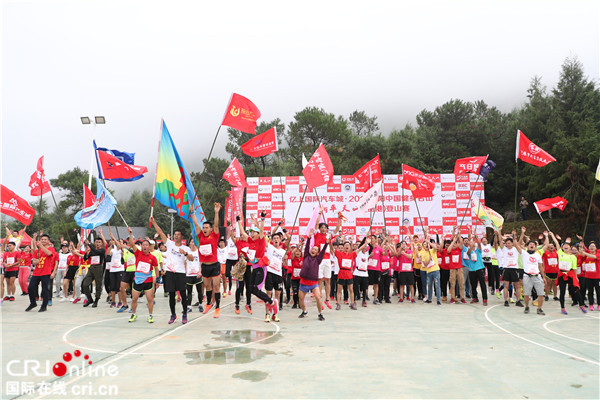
565	336
536	343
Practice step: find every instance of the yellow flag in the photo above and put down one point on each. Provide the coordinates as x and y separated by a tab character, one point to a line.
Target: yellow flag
598	171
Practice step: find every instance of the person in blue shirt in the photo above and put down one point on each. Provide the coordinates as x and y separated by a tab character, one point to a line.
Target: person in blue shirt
476	269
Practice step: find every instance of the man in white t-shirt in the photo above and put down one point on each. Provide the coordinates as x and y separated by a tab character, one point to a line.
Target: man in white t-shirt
533	270
61	271
510	260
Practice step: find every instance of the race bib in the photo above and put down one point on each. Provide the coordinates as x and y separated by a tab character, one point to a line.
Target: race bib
465	255
385	265
419	260
372	262
346	264
10	260
455	258
553	261
578	270
446	260
406	267
143	267
589	267
473	256
564	265
232	252
205	249
251	254
95	260
431	264
296	272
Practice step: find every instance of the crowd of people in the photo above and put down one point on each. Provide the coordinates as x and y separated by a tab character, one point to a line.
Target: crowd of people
336	271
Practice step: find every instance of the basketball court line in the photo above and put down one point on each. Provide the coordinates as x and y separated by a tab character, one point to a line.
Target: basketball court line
565	336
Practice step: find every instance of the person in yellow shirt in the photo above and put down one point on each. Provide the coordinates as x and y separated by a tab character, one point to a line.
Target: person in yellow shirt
431	267
420	273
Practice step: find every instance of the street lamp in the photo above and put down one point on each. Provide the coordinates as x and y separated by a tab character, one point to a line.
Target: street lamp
98	120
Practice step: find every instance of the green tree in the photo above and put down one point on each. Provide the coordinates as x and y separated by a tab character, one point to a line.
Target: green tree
363	125
70	186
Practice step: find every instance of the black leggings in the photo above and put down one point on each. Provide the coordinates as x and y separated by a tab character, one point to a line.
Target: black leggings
562	284
257	279
444	279
361	285
493	275
287	285
333	286
190	293
239	291
478	276
184	303
593	284
295	289
384	287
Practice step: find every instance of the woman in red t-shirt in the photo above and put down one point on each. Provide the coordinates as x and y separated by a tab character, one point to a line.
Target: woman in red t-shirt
346	261
591	266
25	269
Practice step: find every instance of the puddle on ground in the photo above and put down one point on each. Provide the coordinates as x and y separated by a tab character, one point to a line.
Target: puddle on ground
576	385
237	355
253	375
246	336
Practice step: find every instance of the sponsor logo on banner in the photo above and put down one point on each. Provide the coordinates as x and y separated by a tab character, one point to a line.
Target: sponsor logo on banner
291	180
448	203
278	188
251	205
253	181
265	180
422	221
449	221
347	188
390	187
448	186
349	230
277	214
392	221
462	195
347	179
303	221
435	177
363	221
436	229
449	212
251	197
334	188
390	179
462	178
265	189
264	196
252	189
463	186
447	178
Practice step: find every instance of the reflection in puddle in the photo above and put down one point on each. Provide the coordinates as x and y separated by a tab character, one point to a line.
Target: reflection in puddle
253	375
246	336
238	355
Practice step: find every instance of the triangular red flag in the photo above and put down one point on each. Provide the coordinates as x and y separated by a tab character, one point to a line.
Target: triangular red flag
234	174
241	114
369	174
417	182
261	145
530	152
319	170
37	182
469	164
546	204
113	168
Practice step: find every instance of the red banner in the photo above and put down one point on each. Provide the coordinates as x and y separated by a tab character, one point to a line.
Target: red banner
14	206
261	145
546	204
241	114
234	174
469	164
234	204
530	152
38	183
417	182
113	168
319	169
369	174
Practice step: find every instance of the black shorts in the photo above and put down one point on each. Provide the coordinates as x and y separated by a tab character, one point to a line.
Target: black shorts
345	282
71	271
228	265
210	270
510	275
143	287
521	272
273	281
374	277
115	281
11	274
551	275
128	277
174	281
193	280
406	278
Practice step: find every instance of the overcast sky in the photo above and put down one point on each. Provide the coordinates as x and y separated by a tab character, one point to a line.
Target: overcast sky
136	62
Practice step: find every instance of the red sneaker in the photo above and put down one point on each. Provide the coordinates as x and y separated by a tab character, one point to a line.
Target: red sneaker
412	300
452	301
208	307
463	301
400	300
328	304
485	302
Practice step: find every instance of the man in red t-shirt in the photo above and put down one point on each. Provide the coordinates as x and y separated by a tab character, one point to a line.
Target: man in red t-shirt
44	260
12	259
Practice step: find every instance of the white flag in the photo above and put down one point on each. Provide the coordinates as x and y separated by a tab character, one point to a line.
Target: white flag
370	198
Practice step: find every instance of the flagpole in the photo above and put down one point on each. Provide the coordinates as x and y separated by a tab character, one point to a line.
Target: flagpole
162	121
540	214
402	203
469	204
61	220
298	212
420	219
516	185
589	208
383	204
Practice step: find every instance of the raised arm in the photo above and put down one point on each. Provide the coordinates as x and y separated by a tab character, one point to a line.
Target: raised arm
243	234
131	241
102	237
218	207
554	240
338	226
261	225
160	232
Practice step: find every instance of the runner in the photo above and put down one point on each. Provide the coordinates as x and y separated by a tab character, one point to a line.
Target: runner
374	267
94	274
222	260
385	263
591	265
146	271
510	257
456	273
477	269
81	272
12	260
533	268
445	266
361	273
175	266
431	266
296	261
346	260
243	271
550	259
321	239
273	281
25	269
406	276
193	278
117	270
309	275
45	269
73	262
208	239
232	255
567	275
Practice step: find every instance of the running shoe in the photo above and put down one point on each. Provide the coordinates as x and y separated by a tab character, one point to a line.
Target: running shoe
452	301
133	317
321	317
463	301
76	300
444	298
583	310
229	292
439	303
275	318
267	317
304	314
519	304
184	319
388	301
31	307
49	302
275	307
474	301
412	300
535	303
120	305
249	309
173	318
364	303
196	304
512	300
545	298
189	309
563	311
42	309
498	294
178	297
540	311
556	299
150	319
400	300
485	302
506	304
217	313
63	299
200	308
353	306
130	310
328	304
338	307
112	305
591	307
123	308
237	309
207	309
224	294
526	310
95	304
428	301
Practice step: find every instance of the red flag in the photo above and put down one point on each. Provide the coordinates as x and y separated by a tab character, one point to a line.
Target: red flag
261	145
546	204
241	114
369	174
530	152
234	203
417	182
38	183
88	197
14	206
319	169
234	174
469	164
113	168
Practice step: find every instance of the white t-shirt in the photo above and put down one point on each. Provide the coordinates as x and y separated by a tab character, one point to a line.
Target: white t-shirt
335	266
510	257
115	261
362	262
486	252
175	261
62	260
275	256
222	255
531	262
232	253
193	267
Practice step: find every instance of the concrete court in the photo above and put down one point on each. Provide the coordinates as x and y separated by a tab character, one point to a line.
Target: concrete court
387	351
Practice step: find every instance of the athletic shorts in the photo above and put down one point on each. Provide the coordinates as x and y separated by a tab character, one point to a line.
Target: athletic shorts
510	275
193	280
345	282
552	275
325	269
174	281
530	282
374	277
128	277
115	281
71	271
406	278
222	269
11	274
143	287
521	273
210	270
306	288
273	281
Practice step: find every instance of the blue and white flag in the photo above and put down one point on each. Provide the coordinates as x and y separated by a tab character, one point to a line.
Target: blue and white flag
98	213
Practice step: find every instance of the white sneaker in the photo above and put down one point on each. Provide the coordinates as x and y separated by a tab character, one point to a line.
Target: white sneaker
70	299
63	299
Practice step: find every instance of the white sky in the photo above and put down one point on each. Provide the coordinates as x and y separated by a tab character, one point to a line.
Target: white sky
137	61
